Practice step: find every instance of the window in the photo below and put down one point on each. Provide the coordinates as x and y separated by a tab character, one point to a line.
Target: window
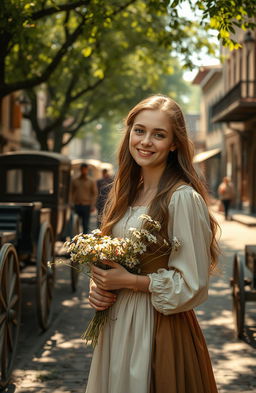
44	182
212	126
14	181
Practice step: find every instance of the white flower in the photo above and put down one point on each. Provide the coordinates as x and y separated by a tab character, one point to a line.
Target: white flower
97	232
135	232
150	238
145	217
153	223
176	244
88	249
139	247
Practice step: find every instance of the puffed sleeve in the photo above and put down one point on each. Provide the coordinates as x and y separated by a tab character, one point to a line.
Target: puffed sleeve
185	284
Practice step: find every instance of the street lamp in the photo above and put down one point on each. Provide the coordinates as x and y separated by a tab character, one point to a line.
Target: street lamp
249	41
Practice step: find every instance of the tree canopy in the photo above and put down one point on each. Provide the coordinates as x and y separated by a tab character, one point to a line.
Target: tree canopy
90	57
36	36
81	91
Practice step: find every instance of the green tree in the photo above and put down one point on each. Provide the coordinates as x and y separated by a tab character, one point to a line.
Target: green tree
31	48
101	79
108	130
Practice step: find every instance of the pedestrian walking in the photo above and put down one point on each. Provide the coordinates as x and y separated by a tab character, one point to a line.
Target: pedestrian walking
226	194
103	186
84	195
151	341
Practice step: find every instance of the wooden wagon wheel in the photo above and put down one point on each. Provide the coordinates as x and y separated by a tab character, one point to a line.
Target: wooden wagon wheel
45	274
238	294
73	270
10	301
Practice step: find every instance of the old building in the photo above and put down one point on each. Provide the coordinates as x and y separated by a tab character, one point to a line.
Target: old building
15	131
10	124
236	109
209	158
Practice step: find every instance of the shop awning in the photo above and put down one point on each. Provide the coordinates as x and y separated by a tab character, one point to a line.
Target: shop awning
200	157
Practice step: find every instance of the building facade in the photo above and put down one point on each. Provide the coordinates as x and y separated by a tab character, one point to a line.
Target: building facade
15	131
10	124
209	159
236	109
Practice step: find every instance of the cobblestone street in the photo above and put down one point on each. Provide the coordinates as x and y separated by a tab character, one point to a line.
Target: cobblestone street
58	361
139	118
234	361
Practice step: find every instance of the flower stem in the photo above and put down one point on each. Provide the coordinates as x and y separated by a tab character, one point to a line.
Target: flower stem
92	332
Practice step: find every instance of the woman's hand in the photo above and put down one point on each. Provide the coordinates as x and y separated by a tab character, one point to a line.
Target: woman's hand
99	299
115	278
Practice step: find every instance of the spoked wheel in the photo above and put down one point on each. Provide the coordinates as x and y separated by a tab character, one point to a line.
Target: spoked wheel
74	268
45	274
238	294
10	301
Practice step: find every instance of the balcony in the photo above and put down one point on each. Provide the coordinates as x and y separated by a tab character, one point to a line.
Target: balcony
239	104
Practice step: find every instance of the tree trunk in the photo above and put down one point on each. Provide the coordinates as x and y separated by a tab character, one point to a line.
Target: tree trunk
4	42
43	142
57	140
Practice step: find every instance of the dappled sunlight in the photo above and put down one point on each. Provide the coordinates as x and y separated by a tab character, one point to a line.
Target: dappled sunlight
60	354
64	356
222	318
219	284
69	302
219	319
86	306
46	358
234	360
68	344
200	312
219	292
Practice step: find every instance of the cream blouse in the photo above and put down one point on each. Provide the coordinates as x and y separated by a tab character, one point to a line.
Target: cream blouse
185	285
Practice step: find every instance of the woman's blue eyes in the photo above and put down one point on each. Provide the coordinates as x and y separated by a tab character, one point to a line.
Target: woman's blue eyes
141	131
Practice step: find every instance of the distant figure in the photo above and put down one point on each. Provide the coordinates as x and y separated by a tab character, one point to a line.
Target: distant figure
226	194
103	185
84	193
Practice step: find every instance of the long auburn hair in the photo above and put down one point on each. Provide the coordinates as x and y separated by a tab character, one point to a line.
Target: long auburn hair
179	168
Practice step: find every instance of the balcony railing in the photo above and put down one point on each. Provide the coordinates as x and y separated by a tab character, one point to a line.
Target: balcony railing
239	104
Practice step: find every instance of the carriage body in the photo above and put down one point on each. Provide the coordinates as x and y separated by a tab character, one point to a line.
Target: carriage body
243	288
250	261
35	211
32	176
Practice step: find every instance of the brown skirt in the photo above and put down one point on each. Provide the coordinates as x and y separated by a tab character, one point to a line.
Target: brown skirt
181	362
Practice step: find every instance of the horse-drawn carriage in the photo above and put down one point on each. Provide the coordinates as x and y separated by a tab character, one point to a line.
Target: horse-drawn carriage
243	289
35	211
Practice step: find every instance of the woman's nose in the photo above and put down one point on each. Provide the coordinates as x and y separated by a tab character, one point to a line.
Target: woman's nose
146	141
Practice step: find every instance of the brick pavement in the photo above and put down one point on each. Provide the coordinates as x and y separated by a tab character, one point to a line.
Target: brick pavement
61	361
234	361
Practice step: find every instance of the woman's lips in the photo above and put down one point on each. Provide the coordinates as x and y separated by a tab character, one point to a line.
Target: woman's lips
145	153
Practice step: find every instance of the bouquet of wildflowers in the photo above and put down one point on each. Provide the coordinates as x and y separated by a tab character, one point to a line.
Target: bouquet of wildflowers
91	249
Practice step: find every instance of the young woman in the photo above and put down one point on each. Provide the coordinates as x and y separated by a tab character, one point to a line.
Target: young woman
151	342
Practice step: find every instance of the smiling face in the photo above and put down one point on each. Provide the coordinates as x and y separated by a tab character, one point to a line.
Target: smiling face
151	139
